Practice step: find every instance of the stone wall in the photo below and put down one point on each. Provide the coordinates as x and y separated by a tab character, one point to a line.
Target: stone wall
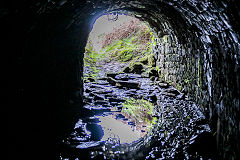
206	65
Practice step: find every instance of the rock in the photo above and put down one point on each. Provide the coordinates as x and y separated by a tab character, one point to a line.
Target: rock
173	91
169	94
126	70
145	74
115	103
162	85
87	100
87	90
153	72
144	60
127	84
103	78
101	102
152	78
112	75
112	81
111	99
91	79
151	60
148	60
108	95
96	86
131	124
137	68
153	98
120	116
103	91
90	144
123	77
97	97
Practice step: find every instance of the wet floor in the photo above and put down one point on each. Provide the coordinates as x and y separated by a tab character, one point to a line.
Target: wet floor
115	129
102	132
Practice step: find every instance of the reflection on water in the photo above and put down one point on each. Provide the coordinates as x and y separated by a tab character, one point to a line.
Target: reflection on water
105	132
107	128
120	132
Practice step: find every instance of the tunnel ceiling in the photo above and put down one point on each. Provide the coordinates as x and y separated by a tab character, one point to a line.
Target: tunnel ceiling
195	38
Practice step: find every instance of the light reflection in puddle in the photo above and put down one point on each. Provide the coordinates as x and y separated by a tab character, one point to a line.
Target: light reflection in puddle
115	129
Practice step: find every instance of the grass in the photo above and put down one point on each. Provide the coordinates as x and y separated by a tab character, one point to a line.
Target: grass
125	49
140	110
123	45
127	43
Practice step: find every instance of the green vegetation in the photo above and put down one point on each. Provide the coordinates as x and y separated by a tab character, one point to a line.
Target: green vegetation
90	59
187	81
132	47
121	50
131	42
179	87
125	43
140	110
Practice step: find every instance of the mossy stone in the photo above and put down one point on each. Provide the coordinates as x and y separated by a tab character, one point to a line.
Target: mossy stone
153	72
152	78
151	60
145	74
137	68
144	60
126	70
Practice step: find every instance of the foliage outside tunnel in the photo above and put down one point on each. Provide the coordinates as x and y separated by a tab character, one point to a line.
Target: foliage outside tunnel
127	42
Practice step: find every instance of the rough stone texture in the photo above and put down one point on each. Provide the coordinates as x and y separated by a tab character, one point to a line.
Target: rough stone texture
206	65
197	48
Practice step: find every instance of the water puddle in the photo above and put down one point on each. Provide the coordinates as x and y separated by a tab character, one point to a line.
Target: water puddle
114	124
116	130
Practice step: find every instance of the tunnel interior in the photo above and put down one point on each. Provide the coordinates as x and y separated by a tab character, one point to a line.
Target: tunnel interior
116	48
196	50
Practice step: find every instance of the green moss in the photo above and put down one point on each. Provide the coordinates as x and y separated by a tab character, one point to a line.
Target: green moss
162	77
165	38
187	81
144	60
126	70
178	86
135	64
148	60
125	54
90	59
151	60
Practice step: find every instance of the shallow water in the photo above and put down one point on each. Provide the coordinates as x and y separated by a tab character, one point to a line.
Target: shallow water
115	129
182	131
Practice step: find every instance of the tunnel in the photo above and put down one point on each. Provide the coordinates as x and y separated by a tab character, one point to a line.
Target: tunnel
196	49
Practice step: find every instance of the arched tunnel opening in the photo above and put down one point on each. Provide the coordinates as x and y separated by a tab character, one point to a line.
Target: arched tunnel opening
119	47
196	51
